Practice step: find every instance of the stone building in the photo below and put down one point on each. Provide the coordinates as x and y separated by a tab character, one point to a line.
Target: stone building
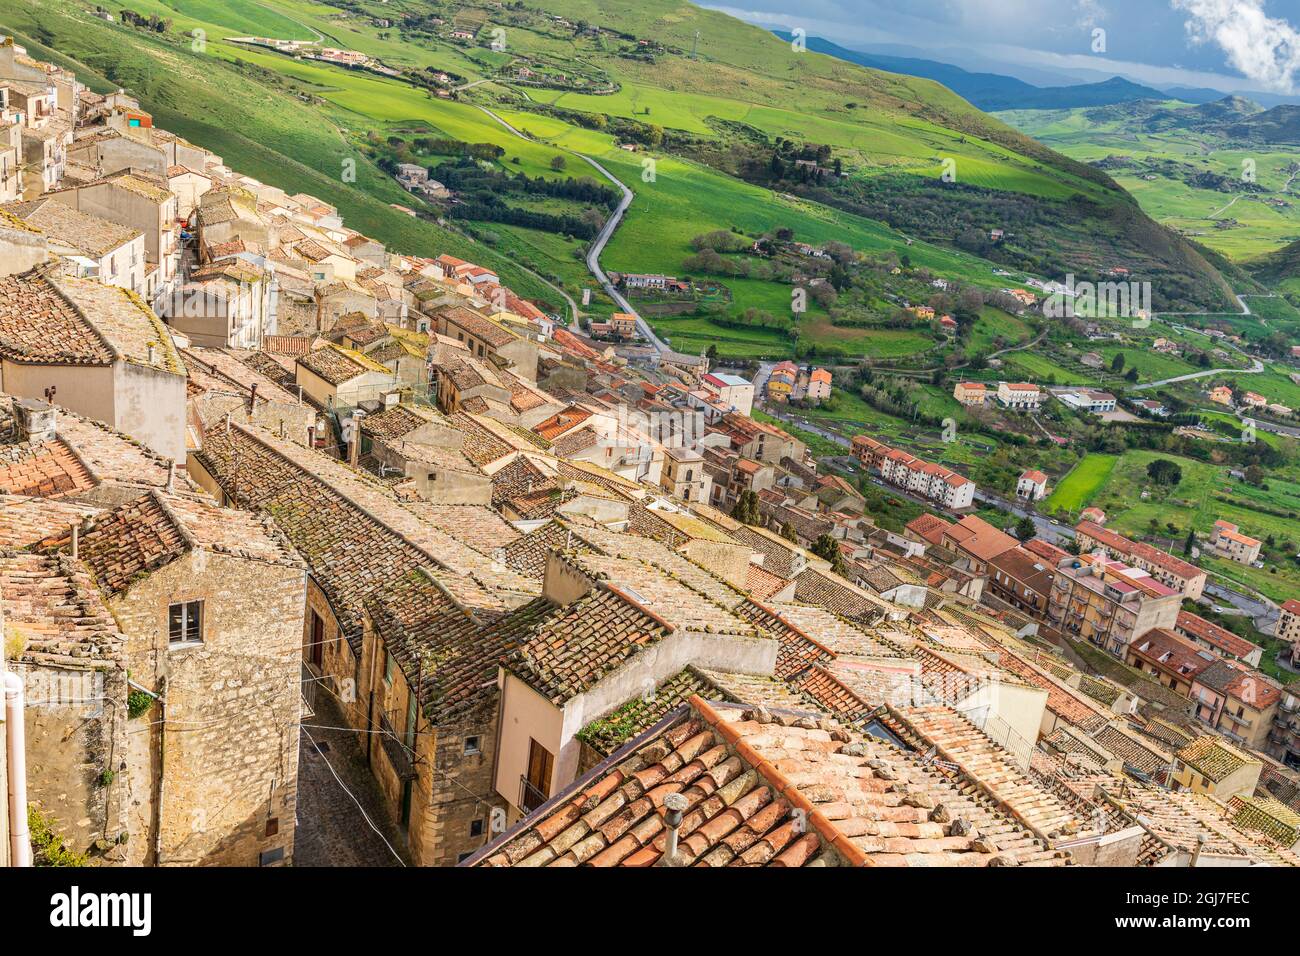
127	592
429	680
363	546
210	602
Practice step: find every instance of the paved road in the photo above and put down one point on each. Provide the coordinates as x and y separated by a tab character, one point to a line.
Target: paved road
1264	613
1256	365
597	247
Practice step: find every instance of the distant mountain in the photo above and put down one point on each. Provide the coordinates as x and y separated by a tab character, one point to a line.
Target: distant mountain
1265	100
1216	117
991	91
1281	124
1232	117
1196	95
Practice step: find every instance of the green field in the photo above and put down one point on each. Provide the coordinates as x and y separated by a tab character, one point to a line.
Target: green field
1037	367
1201	212
1078	488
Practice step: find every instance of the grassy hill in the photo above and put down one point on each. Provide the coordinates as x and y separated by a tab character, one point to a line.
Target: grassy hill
713	118
1190	168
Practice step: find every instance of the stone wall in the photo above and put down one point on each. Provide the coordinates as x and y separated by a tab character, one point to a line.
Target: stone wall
77	770
452	793
227	753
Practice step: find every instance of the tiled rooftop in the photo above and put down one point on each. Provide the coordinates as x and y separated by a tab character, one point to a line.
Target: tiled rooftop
1212	757
448	656
573	647
53	608
764	788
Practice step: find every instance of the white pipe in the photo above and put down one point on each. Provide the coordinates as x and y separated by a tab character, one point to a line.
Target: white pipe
20	842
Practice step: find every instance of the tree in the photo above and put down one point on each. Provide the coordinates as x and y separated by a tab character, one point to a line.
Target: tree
1165	472
1025	528
746	508
828	547
1190	542
1254	475
1131	375
558	163
788	532
1117	363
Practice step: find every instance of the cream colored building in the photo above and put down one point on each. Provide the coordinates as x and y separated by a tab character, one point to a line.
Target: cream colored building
1234	545
96	248
96	350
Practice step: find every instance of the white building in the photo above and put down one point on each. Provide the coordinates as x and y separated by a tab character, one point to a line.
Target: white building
1032	486
731	390
1021	396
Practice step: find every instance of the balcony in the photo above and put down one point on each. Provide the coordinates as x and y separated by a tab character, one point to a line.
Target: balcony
530	797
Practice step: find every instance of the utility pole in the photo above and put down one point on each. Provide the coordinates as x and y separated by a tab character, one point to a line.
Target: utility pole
695	47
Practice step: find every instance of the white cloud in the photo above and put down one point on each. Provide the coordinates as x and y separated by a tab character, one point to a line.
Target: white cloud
1264	48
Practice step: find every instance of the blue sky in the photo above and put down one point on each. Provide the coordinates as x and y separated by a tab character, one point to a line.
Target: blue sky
1227	44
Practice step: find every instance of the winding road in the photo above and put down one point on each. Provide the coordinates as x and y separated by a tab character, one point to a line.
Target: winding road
597	247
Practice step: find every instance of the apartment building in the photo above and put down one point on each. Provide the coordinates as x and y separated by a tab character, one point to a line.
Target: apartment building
1228	540
1174	572
1022	579
1238	701
1020	396
1110	603
972	394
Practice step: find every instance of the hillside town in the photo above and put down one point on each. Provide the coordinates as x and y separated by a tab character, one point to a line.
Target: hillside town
315	552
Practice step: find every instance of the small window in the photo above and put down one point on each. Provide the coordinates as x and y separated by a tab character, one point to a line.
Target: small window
471	746
389	664
476	828
411	714
185	623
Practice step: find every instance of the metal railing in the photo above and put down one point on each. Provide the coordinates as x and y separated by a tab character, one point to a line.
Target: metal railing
1003	734
530	797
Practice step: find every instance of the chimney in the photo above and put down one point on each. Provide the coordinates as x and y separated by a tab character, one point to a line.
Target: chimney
153	353
1196	852
171	475
252	400
37	421
354	439
675	805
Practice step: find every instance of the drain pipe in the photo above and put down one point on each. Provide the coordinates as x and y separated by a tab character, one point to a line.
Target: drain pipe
20	842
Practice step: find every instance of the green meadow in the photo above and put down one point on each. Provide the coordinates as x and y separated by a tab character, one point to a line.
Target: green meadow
1077	489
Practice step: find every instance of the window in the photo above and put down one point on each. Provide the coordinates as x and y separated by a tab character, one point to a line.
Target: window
471	746
406	803
410	721
388	667
475	828
316	649
537	784
185	623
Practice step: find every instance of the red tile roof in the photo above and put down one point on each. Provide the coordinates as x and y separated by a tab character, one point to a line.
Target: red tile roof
763	788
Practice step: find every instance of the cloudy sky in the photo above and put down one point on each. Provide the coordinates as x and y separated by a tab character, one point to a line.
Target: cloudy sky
1227	44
